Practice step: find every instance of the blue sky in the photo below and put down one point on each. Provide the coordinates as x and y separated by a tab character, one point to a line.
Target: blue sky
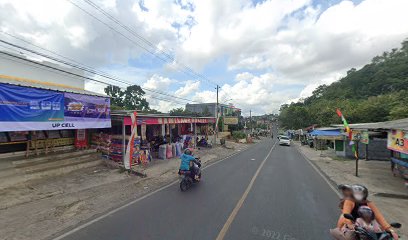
262	53
217	69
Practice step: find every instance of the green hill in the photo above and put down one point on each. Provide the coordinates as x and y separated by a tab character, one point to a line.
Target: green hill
376	92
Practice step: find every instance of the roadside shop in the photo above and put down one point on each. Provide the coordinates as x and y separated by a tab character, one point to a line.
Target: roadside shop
385	141
324	138
158	136
397	142
40	117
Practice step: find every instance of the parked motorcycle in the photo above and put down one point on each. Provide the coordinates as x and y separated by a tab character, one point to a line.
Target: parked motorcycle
188	178
363	234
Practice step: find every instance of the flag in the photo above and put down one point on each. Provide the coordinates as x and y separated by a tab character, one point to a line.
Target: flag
346	126
348	131
131	144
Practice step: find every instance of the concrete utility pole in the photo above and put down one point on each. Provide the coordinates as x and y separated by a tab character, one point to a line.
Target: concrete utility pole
216	119
250	119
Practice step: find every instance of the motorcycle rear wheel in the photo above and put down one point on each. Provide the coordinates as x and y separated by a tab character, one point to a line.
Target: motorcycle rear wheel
184	185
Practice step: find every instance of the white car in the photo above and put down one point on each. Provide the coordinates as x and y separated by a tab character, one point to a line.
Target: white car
283	140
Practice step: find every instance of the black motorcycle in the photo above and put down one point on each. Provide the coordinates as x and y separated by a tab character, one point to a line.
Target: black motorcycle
363	234
188	177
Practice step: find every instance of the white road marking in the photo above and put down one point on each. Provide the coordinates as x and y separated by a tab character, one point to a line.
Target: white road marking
241	201
76	229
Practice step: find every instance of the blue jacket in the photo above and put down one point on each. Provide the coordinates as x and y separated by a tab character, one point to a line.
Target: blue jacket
185	162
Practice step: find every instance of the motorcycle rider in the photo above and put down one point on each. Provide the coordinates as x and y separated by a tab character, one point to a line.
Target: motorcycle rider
351	206
347	193
189	162
367	220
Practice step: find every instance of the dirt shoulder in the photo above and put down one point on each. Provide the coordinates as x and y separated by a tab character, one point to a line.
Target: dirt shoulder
387	191
39	209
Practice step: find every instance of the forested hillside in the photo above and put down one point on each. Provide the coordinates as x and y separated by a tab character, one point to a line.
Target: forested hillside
376	92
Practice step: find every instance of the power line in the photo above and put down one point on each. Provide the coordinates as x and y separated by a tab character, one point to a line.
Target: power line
90	70
89	67
74	74
147	41
134	33
131	40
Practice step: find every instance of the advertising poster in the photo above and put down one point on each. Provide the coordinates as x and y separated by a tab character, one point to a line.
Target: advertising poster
30	109
361	136
23	108
231	120
84	111
398	141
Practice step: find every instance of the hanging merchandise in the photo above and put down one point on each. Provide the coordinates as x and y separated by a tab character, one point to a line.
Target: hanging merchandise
143	131
178	149
167	129
173	148
169	151
162	151
101	142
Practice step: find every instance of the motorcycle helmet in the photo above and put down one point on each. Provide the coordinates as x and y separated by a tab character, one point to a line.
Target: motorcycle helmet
188	152
366	212
344	187
360	192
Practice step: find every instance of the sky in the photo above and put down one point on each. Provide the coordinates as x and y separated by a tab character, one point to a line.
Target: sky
262	53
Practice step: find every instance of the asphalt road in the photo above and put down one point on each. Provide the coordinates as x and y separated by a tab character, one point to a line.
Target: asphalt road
287	200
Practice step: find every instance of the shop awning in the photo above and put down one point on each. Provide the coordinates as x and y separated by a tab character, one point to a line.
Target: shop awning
168	120
327	134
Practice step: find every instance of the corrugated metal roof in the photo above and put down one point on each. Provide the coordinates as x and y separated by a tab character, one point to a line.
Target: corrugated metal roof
45	85
401	124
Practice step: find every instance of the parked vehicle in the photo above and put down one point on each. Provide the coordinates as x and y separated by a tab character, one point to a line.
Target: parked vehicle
283	140
363	234
188	177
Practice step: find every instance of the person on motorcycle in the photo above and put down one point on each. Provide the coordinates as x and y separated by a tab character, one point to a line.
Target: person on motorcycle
188	162
367	220
351	206
347	193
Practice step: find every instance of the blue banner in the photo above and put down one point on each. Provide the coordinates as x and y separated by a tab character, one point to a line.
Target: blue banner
23	104
26	108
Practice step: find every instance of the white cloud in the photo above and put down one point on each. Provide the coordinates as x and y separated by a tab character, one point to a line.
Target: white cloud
189	88
280	49
250	92
158	82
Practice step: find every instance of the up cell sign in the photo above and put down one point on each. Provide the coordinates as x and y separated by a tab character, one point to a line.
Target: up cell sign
26	109
398	141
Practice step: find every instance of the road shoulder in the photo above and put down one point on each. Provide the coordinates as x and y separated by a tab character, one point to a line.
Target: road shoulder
62	203
376	175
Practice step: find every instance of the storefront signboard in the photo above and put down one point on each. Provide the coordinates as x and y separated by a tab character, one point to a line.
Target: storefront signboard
161	120
231	120
398	141
26	108
361	136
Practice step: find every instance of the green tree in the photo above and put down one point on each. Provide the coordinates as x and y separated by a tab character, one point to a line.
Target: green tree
129	99
376	92
116	95
177	111
134	99
181	112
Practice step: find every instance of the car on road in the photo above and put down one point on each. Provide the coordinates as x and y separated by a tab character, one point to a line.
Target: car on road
283	140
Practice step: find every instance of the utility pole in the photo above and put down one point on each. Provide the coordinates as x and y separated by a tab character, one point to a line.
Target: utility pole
216	119
250	119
